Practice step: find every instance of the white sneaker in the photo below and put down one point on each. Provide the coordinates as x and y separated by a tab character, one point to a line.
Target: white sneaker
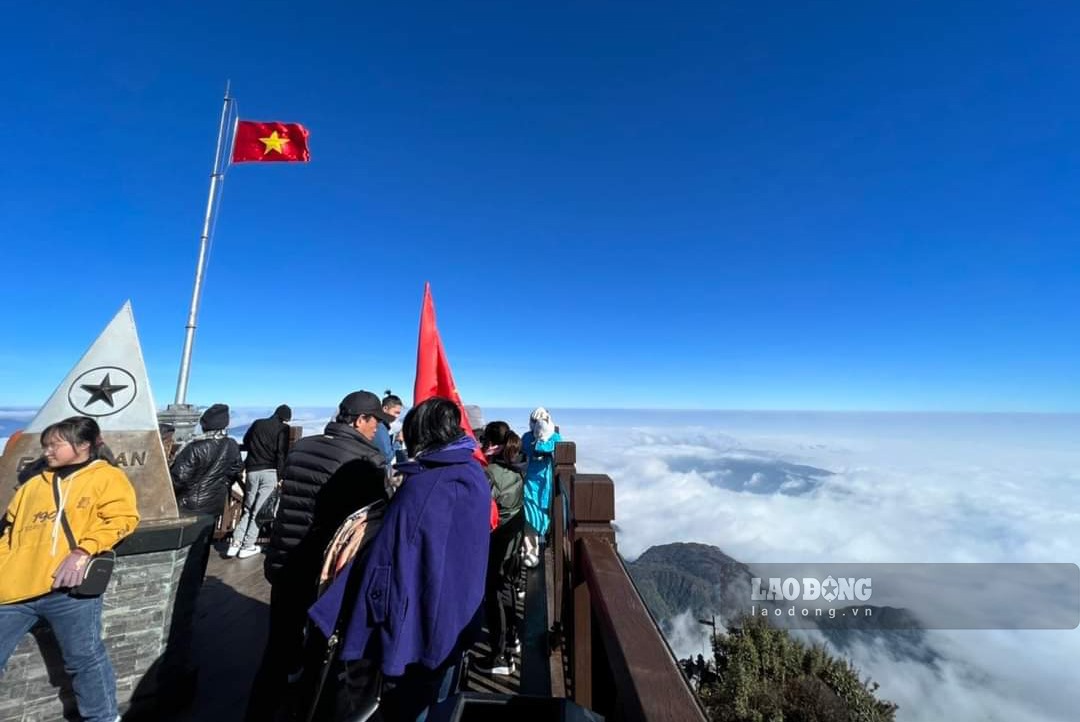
499	665
232	551
531	560
248	552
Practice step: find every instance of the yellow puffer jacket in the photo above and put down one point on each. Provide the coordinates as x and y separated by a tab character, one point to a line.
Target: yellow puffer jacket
99	503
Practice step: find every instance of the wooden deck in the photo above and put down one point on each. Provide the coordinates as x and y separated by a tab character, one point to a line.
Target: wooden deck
230	629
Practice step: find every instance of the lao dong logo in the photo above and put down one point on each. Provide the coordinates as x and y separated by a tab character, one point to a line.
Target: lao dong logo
808	589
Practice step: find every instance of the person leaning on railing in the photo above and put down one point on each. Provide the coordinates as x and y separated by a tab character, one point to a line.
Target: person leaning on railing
539	447
205	468
267	445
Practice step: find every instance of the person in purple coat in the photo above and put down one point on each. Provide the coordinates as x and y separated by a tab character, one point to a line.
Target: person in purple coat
421	587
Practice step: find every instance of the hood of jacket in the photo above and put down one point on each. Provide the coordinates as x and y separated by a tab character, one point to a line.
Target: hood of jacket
458	451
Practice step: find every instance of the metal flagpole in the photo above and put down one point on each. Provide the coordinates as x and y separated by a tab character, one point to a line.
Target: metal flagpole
216	178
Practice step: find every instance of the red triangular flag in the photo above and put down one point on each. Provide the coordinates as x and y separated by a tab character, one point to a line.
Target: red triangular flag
433	377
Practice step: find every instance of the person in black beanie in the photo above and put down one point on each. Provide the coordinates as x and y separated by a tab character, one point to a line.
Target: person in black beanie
267	444
204	469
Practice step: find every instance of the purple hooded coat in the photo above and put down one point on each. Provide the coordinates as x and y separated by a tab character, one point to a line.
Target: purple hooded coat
423	575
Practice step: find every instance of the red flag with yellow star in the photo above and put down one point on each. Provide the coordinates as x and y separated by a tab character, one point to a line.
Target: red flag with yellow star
260	142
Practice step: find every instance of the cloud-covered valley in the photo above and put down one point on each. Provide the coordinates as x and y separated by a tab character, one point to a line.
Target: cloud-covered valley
801	487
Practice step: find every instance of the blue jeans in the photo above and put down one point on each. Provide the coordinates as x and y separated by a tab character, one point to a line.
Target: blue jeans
76	624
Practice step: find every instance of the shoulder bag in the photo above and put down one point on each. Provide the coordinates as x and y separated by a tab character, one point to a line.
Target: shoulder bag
100	567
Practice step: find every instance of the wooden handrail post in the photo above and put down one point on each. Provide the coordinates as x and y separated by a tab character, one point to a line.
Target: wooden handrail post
565	454
592	507
582	651
630	675
562	546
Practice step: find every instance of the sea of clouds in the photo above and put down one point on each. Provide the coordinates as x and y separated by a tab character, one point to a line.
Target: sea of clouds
849	487
824	487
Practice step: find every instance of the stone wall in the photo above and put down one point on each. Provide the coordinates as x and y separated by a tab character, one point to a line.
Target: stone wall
148	610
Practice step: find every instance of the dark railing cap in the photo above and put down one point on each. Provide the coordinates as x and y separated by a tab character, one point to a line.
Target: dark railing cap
565	453
593	499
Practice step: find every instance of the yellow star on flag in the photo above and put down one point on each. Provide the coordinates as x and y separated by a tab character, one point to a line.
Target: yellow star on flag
274	142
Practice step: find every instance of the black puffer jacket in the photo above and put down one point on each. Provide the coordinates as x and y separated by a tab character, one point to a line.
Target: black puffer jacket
326	478
202	473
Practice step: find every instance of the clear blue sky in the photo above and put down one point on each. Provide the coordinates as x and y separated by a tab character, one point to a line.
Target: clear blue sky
730	205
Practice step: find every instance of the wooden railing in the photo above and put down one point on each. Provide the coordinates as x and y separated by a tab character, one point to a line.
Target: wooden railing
606	652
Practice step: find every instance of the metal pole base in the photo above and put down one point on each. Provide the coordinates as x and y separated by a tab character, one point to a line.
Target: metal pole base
184	418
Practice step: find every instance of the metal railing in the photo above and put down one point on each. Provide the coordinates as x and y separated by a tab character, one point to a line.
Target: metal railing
607	653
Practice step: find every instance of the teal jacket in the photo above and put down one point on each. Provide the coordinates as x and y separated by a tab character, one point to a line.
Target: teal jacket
538	480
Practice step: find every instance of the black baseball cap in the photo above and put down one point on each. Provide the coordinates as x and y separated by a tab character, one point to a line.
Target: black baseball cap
364	402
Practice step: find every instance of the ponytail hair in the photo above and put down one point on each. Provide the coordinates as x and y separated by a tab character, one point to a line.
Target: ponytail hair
103	452
78	430
501	442
495	433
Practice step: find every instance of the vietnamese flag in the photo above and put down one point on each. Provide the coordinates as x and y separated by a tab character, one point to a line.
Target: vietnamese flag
433	377
261	142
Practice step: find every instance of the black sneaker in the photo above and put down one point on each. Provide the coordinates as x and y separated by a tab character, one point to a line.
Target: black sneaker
499	665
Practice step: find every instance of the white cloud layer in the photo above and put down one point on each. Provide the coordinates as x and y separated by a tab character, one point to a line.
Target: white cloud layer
904	488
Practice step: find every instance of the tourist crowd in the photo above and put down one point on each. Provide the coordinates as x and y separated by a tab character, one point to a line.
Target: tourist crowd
392	544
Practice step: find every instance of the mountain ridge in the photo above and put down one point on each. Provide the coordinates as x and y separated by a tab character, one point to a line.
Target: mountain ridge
679	576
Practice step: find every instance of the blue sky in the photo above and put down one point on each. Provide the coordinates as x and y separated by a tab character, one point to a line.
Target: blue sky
784	205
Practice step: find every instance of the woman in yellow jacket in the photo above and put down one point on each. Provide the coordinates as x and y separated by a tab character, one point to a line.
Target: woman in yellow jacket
38	567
